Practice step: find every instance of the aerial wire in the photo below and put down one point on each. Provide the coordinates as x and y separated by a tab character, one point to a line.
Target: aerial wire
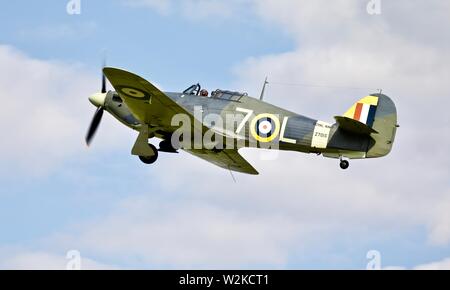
320	86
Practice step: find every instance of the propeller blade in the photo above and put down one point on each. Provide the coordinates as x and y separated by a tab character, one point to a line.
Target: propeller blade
103	84
103	76
94	125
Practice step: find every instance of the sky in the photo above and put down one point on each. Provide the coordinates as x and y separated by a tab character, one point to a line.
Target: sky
301	212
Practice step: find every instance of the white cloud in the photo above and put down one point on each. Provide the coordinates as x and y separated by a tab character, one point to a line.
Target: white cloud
440	223
299	203
215	223
339	44
38	260
189	235
440	265
45	112
209	11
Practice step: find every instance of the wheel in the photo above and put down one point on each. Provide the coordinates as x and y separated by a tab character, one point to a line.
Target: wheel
150	159
344	164
166	146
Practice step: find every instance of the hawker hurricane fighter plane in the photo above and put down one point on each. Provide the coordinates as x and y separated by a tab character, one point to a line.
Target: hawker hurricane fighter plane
233	120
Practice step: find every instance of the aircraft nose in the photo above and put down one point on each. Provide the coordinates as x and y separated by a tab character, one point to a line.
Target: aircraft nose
98	99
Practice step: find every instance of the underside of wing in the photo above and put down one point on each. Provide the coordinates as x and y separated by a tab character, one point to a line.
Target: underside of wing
228	159
146	102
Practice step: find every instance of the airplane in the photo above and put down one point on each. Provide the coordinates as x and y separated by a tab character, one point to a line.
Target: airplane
366	130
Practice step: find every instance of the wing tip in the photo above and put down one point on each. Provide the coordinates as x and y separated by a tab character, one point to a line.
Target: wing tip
109	69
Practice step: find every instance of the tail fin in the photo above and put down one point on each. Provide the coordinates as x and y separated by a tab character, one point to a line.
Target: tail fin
364	110
379	113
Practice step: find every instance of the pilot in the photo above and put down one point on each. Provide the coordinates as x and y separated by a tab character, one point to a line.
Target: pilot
204	93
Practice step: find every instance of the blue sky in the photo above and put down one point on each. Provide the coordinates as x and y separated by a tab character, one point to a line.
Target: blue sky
301	212
180	51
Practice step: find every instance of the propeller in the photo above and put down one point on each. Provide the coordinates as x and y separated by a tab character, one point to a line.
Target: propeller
94	125
97	100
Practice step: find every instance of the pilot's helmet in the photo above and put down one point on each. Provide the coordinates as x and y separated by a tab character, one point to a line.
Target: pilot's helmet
204	93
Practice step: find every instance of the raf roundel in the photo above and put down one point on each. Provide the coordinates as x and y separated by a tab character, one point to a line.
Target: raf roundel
134	93
265	128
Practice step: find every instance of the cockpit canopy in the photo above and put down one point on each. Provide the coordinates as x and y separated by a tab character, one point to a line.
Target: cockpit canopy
228	95
217	94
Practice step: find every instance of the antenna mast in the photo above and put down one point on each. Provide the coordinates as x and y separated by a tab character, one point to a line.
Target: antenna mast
263	89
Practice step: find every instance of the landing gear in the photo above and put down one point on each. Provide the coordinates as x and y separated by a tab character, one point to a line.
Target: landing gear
344	164
167	147
150	159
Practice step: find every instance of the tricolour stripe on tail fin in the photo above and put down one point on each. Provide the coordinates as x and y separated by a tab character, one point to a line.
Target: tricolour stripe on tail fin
364	110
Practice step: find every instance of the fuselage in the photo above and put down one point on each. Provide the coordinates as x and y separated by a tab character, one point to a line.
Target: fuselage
293	132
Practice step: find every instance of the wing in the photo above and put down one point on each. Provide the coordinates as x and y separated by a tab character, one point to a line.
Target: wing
146	102
151	106
228	159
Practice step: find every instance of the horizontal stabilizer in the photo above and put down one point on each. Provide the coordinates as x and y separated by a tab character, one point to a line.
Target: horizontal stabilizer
354	126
